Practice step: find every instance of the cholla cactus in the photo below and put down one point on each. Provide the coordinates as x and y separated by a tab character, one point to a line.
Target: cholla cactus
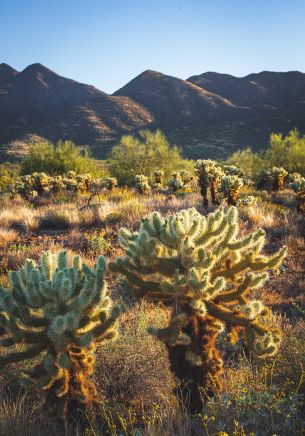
299	188
232	170
111	183
207	272
272	179
41	182
158	178
142	185
77	183
248	201
230	185
176	182
294	176
58	313
209	177
278	175
57	184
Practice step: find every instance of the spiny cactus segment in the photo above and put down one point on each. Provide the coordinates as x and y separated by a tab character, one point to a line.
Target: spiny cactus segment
207	271
57	313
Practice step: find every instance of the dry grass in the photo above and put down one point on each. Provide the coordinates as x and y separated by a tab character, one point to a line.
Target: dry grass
133	375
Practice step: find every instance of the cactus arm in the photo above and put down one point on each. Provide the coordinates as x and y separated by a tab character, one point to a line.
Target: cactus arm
232	296
30	353
226	315
145	286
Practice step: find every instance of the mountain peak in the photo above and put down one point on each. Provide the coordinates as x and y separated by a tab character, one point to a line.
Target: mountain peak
7	69
37	68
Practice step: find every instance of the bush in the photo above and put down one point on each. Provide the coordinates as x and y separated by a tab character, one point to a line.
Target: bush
287	152
141	155
8	174
61	158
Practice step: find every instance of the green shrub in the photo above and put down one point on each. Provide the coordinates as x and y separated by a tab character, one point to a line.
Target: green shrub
142	154
61	158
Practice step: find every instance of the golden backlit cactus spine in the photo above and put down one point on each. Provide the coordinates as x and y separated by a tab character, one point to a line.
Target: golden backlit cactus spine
207	271
209	177
57	313
230	186
298	186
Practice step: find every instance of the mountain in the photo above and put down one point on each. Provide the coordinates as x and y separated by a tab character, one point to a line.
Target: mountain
273	90
208	115
172	100
39	104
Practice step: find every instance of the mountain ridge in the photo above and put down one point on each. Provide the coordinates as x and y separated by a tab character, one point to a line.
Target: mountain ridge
207	115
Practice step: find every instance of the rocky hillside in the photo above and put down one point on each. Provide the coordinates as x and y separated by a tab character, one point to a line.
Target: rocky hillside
209	115
38	103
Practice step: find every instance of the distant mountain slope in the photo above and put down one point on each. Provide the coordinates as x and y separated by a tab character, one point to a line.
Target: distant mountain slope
174	101
39	103
208	115
267	88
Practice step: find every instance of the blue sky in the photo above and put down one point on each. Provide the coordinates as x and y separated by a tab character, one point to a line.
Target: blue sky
108	42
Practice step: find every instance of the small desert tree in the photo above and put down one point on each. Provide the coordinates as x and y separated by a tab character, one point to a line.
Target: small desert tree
142	154
61	158
207	271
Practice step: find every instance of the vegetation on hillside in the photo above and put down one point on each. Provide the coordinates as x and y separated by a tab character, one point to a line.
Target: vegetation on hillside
189	273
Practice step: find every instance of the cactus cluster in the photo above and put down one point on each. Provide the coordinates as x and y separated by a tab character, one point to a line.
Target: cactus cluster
31	186
209	178
232	170
230	186
142	184
272	179
207	272
77	183
57	313
37	184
